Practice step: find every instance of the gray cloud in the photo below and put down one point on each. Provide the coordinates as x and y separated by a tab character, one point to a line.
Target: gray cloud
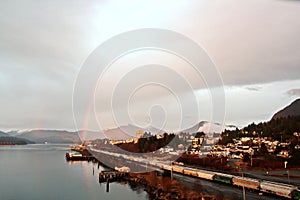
253	44
293	92
253	88
44	43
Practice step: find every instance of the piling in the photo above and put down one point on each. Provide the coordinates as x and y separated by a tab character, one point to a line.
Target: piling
107	185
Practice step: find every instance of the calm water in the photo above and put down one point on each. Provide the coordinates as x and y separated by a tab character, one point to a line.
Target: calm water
36	172
40	172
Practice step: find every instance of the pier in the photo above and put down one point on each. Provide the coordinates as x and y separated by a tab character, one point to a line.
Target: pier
111	176
81	149
81	154
78	157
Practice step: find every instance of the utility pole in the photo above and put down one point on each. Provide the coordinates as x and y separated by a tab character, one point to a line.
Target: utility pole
171	170
244	191
251	155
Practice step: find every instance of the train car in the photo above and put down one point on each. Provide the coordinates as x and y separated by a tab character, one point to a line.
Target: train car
160	165
206	174
190	172
296	194
246	182
280	189
178	169
167	167
153	163
223	178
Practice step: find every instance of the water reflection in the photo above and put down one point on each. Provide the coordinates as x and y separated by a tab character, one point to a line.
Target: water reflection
35	172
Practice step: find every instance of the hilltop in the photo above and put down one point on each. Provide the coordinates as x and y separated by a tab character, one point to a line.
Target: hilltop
2	134
272	141
208	127
50	136
7	140
122	132
291	110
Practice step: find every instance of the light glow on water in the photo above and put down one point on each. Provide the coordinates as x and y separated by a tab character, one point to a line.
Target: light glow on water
35	172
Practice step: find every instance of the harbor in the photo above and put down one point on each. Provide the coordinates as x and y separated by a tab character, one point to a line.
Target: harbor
258	186
80	179
41	171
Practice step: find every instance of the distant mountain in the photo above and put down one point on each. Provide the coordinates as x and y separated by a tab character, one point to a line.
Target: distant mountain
208	127
50	136
59	136
120	133
15	133
2	134
125	132
12	133
90	135
194	128
291	110
129	131
8	140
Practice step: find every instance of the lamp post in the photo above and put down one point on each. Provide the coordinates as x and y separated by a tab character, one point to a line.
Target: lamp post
171	170
287	171
251	154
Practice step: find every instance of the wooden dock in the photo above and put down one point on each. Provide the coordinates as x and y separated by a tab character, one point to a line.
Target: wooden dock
110	176
81	149
78	157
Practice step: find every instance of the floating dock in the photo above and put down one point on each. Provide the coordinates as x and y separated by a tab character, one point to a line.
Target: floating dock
77	157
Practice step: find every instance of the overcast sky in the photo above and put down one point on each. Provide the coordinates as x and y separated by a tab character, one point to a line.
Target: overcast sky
254	44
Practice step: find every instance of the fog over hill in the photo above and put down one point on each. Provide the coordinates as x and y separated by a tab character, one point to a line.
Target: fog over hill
2	134
8	139
120	133
209	127
50	136
129	131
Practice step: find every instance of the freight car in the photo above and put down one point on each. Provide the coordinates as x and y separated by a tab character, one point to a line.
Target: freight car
296	194
178	169
246	182
206	174
190	172
160	165
223	178
280	189
167	167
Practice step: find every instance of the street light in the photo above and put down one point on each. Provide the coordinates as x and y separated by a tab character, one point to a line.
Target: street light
251	154
288	173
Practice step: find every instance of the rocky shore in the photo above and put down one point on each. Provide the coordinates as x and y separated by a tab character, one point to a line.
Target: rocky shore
161	186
